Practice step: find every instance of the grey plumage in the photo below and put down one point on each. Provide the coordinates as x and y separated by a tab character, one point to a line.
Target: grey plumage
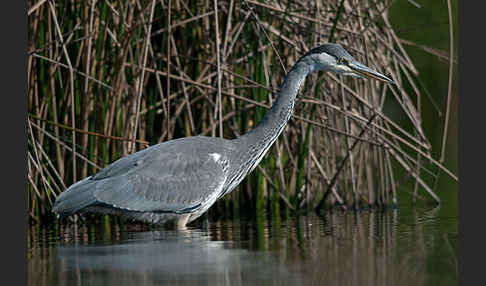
180	179
170	177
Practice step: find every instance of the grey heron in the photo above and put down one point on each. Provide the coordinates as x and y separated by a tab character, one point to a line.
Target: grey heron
177	181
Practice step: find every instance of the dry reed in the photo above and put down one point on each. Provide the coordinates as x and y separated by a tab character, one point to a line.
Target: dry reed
106	78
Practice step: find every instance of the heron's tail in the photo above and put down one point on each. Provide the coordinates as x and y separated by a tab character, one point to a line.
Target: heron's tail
77	197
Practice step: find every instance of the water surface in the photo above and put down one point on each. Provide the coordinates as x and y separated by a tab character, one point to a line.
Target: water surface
408	246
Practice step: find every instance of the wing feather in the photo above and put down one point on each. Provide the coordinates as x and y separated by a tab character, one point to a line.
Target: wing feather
176	176
167	182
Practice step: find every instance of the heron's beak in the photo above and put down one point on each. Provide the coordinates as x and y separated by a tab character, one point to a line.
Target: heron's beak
364	71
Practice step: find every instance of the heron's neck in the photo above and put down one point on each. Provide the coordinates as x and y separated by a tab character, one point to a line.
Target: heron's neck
273	123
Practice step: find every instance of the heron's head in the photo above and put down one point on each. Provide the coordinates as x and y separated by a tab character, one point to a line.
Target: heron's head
334	58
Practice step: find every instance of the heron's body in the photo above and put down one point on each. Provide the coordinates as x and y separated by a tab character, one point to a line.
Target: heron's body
178	180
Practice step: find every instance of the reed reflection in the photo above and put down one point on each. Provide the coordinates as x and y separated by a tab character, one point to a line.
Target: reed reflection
366	248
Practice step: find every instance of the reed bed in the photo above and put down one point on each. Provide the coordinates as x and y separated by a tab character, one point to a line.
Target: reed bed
107	78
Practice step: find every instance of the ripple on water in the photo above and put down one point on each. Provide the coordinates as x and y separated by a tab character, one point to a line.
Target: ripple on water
364	248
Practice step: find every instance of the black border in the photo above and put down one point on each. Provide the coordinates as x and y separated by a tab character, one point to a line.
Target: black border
13	21
472	60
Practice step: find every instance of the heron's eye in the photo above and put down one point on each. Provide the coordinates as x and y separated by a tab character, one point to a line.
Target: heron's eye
342	61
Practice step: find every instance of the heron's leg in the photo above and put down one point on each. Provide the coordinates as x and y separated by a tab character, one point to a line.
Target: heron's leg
182	220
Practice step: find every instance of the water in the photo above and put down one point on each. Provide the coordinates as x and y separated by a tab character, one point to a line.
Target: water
409	246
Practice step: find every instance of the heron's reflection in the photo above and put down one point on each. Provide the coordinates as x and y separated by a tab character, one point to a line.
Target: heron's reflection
365	248
170	256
